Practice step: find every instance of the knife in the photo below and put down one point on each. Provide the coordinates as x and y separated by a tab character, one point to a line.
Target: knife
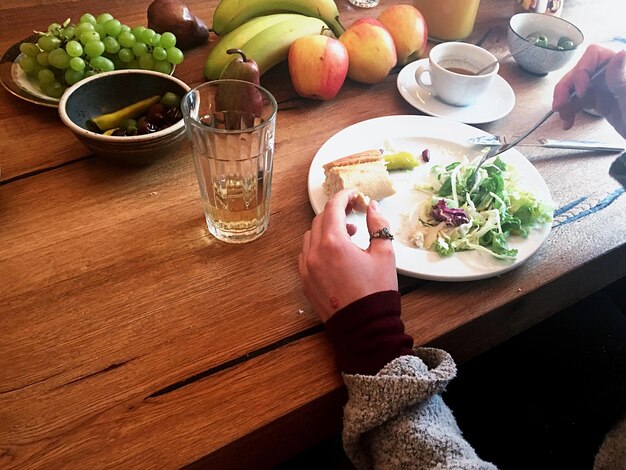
490	141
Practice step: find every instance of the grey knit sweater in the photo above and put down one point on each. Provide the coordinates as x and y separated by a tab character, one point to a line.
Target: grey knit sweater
397	419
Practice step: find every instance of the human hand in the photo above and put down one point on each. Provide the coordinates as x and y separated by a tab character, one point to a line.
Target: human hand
334	271
606	94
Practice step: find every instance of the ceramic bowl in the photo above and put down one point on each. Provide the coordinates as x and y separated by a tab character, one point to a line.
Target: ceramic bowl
542	60
111	91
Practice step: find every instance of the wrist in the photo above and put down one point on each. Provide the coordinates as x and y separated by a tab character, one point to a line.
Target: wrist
369	333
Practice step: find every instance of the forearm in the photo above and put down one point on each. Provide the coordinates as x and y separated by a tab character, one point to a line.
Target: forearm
394	416
368	334
618	120
616	81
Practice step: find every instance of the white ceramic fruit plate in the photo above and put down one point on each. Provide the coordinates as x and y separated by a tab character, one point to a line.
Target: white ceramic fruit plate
16	82
447	142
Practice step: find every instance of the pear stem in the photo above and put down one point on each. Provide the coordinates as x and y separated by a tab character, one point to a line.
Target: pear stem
238	51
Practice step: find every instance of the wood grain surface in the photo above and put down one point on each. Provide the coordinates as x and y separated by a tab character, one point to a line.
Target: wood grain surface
130	338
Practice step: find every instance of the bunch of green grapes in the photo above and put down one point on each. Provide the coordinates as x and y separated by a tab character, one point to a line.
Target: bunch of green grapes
67	53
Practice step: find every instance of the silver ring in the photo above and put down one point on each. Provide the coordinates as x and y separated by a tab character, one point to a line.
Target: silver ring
382	233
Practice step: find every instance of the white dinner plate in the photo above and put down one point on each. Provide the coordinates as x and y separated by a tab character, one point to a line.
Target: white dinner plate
447	142
494	104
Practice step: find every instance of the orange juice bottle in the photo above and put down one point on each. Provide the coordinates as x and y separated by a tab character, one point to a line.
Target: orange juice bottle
448	20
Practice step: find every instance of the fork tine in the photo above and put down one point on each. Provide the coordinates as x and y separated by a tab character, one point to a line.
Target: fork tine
501	149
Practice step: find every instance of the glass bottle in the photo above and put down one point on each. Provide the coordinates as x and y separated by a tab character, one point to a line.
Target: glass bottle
448	20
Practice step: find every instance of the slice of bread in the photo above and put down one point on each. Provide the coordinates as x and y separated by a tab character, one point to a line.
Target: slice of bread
364	171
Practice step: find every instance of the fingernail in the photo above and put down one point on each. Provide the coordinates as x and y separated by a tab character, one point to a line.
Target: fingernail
375	205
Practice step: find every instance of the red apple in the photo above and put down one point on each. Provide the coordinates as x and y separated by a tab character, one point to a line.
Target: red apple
318	66
407	26
366	19
371	50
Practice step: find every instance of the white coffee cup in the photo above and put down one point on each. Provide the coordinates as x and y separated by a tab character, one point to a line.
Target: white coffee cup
451	67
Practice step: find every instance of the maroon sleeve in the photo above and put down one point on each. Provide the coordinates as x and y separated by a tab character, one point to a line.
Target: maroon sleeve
368	333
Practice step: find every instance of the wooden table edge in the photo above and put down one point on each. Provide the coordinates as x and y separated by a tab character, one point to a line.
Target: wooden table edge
320	419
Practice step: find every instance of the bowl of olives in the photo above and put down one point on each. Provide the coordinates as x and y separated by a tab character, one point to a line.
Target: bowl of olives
128	116
556	41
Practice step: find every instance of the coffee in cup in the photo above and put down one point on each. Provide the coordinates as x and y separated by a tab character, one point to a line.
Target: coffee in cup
452	68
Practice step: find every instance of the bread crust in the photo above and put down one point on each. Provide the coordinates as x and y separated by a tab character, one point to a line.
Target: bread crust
367	156
364	171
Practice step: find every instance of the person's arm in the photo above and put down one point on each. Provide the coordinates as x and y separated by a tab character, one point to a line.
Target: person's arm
606	94
394	417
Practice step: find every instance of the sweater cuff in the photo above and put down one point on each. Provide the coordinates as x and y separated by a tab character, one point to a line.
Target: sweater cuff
368	334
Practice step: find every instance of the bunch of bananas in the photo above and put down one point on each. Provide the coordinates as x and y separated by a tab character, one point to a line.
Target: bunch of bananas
265	29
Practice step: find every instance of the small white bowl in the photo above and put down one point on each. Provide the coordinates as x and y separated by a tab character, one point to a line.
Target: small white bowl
109	91
542	60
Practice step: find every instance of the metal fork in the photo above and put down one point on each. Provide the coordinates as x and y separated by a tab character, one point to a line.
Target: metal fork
498	149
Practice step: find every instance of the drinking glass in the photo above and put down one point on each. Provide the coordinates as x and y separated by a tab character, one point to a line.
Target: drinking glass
231	124
364	3
550	7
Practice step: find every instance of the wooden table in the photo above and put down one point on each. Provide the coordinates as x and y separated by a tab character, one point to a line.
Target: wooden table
132	339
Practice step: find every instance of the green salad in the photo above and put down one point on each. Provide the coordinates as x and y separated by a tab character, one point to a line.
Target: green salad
474	210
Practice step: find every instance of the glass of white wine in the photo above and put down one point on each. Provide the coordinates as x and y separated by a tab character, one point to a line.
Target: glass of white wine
231	125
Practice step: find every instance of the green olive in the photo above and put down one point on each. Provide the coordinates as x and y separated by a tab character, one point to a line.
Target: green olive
540	39
565	43
170	100
401	161
128	124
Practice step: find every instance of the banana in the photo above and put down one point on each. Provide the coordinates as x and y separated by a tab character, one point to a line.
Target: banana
218	58
271	46
230	14
267	43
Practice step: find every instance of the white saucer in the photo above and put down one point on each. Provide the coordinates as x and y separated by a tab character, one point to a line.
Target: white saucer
497	102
